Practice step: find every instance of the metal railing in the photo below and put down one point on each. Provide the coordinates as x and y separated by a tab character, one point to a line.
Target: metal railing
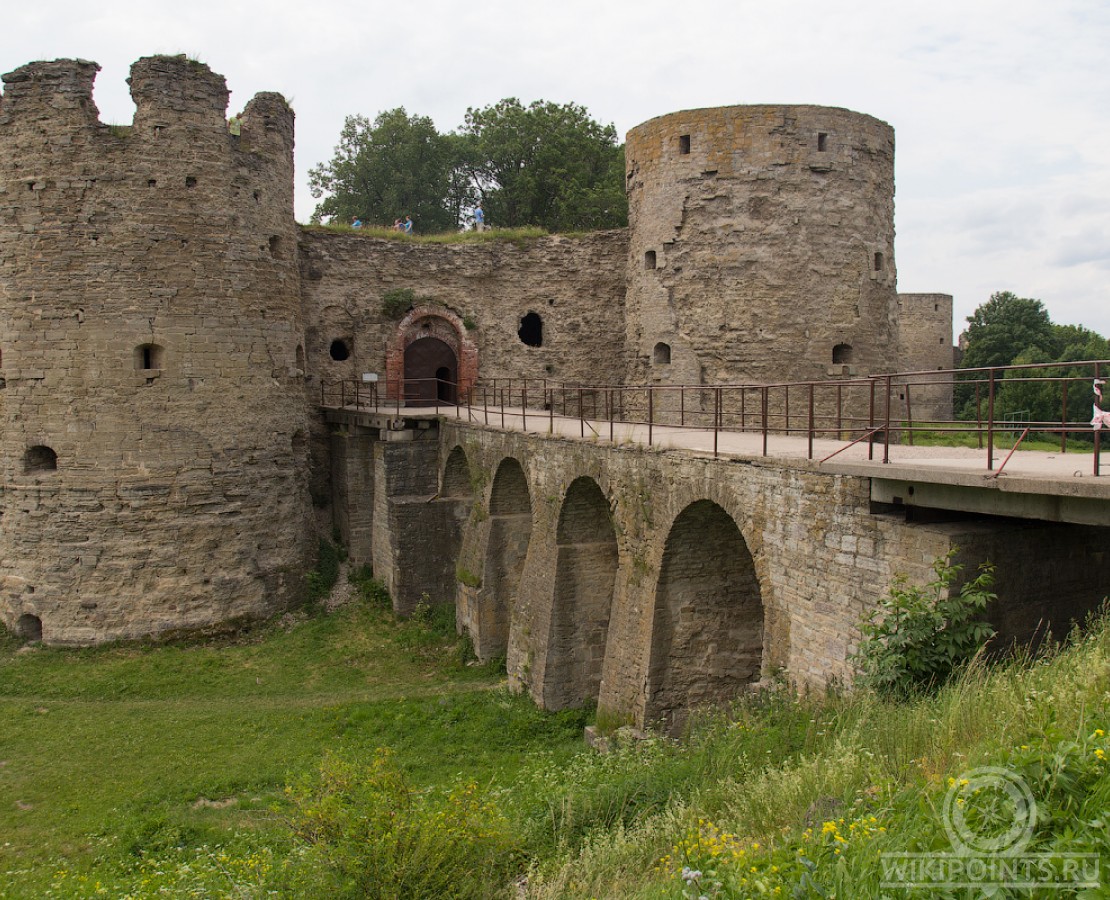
877	409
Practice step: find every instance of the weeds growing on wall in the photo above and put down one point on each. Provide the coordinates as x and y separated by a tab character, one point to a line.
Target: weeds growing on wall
397	302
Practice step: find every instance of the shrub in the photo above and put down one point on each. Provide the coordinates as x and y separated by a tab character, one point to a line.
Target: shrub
367	834
322	579
918	636
397	302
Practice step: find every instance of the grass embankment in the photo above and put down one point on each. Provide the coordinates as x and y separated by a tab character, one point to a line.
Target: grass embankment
116	763
121	762
490	235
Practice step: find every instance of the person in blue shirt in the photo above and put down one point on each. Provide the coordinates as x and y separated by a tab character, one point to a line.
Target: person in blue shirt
356	222
479	218
408	224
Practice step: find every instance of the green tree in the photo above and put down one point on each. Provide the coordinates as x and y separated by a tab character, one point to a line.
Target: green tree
546	165
1011	330
396	166
1006	326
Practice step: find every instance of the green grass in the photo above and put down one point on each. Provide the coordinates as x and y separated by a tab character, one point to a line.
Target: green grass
747	809
163	770
105	753
1003	440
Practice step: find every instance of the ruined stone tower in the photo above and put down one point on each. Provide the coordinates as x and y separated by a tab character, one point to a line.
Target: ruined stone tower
761	245
152	408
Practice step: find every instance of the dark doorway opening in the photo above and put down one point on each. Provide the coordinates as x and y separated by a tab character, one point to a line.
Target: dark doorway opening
29	628
431	373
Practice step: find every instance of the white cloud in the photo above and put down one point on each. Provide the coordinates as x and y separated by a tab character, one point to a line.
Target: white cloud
999	105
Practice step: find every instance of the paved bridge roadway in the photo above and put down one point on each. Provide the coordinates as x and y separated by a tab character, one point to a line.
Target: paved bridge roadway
1031	484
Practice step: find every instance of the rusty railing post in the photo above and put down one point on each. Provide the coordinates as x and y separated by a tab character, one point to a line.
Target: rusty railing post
809	452
651	414
871	423
717	398
990	423
1098	433
765	389
1064	421
524	407
886	429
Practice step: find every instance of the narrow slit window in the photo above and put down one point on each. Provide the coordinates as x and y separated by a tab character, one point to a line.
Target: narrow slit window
683	144
878	260
822	141
148	356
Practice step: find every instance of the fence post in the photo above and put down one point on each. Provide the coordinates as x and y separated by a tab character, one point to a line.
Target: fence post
765	389
1098	433
909	413
871	424
1064	420
651	414
524	406
990	424
812	388
609	400
886	428
716	418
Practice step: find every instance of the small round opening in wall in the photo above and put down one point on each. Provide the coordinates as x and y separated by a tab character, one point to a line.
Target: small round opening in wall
340	350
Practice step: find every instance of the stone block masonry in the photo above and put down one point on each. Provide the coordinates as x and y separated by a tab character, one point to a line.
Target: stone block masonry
154	425
166	326
654	582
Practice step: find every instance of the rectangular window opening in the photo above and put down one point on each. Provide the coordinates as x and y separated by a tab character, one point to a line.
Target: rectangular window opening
822	141
683	144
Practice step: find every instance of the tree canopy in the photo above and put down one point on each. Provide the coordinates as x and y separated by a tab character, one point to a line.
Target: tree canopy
1010	330
546	165
396	166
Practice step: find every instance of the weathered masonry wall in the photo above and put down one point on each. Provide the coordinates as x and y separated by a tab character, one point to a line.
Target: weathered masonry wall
152	415
755	229
653	582
575	286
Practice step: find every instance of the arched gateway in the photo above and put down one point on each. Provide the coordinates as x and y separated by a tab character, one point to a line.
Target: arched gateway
431	373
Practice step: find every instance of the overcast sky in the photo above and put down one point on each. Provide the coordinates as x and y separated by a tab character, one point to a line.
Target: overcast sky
1001	108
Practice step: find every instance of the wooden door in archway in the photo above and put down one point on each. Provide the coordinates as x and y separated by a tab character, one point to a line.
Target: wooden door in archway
431	373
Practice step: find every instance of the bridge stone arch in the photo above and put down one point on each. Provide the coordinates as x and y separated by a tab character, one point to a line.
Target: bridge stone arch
509	535
456	482
585	581
708	625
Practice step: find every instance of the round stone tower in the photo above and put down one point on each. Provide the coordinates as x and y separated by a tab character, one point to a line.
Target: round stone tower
761	245
153	414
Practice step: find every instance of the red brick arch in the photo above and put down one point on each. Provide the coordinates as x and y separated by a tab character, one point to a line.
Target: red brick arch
430	320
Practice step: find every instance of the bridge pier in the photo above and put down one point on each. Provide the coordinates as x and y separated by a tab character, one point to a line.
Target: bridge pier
651	582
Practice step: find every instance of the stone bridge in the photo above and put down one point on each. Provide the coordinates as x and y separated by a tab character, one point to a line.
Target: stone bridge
650	581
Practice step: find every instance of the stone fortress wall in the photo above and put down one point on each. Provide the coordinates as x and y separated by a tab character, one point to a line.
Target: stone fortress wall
154	423
165	326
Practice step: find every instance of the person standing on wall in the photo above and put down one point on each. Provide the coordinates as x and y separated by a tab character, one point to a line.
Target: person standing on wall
479	218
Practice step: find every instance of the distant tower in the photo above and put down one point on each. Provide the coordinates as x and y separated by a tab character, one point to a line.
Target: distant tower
761	246
153	415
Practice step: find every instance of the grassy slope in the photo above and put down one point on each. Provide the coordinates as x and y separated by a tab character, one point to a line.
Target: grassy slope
103	755
125	740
